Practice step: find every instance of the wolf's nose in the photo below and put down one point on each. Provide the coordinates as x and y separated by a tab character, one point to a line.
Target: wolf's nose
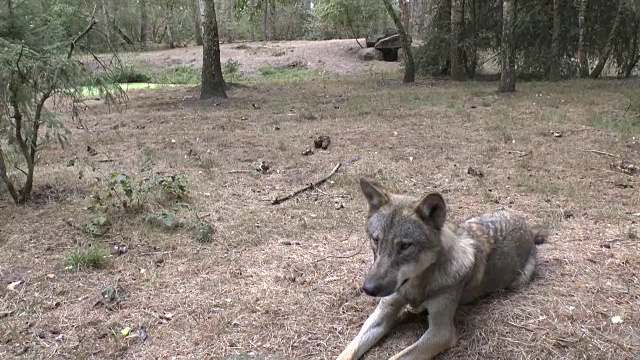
370	288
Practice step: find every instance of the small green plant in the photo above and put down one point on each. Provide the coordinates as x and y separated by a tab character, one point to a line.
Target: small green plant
231	70
172	186
93	257
203	230
98	226
171	219
124	191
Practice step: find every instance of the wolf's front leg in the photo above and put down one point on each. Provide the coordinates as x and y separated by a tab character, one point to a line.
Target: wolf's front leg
375	327
441	334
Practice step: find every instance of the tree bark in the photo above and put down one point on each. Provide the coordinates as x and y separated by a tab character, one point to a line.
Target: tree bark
143	21
172	44
507	49
253	29
606	51
554	69
197	22
212	81
583	62
472	56
409	64
405	10
263	22
457	18
107	23
633	60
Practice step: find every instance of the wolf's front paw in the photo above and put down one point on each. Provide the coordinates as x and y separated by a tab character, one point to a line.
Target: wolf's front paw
348	354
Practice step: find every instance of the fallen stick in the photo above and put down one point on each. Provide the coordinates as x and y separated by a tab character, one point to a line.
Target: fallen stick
602	153
308	187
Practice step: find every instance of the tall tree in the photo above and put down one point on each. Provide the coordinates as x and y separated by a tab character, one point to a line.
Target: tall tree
264	25
212	81
457	21
554	70
608	46
143	21
507	48
197	22
409	64
583	62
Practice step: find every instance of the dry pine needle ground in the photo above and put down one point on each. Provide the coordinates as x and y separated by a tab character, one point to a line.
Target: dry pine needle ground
283	281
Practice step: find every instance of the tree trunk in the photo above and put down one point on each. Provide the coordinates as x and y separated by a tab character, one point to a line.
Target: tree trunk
457	18
409	65
212	81
10	8
507	48
472	56
405	10
554	70
418	16
172	44
253	28
143	22
606	51
197	22
263	21
583	62
107	23
633	60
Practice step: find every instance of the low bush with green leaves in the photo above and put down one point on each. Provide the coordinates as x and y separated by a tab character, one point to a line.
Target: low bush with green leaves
182	74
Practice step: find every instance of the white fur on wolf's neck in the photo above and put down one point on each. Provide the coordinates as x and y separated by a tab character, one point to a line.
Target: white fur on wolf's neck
457	253
459	250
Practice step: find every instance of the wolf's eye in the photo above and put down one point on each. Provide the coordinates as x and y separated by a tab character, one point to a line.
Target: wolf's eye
405	245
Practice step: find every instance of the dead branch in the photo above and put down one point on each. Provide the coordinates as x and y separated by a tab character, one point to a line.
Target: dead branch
239	171
308	187
519	153
84	33
359	251
601	153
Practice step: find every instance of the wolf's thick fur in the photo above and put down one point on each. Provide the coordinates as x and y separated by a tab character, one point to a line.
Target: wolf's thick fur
423	261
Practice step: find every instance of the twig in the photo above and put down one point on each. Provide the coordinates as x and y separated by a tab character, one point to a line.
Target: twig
601	153
343	256
22	171
308	187
519	153
238	171
105	161
520	326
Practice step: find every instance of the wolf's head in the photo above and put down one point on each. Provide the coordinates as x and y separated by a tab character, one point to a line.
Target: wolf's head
404	233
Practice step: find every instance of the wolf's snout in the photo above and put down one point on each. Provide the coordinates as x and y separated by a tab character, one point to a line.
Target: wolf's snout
371	288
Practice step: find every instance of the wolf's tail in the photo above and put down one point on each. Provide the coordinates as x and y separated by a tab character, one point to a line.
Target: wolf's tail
540	236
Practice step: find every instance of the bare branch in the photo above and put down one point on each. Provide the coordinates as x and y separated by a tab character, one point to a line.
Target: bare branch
81	35
308	187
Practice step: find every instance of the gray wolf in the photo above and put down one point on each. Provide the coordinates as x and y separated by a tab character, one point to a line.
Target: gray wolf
423	261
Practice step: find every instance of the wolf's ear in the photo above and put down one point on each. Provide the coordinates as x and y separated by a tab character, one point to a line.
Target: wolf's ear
376	197
432	210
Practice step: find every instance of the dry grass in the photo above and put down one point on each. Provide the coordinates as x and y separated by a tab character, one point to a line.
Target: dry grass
283	281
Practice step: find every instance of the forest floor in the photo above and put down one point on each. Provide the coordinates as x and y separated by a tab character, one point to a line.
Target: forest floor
283	281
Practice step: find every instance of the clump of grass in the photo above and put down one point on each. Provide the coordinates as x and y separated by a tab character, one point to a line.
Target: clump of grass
93	257
626	124
274	73
185	75
130	74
